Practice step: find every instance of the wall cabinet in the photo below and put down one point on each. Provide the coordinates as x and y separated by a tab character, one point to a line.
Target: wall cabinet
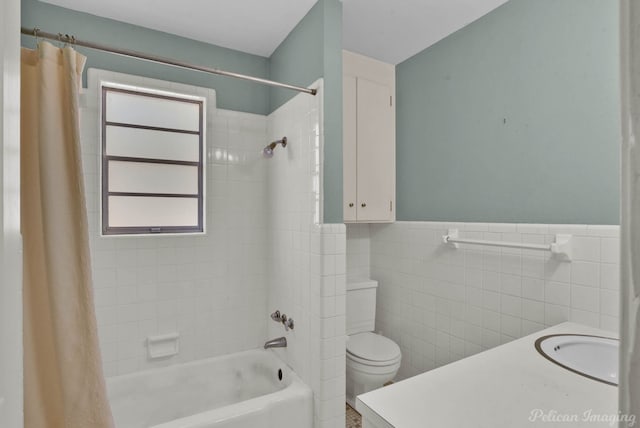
369	140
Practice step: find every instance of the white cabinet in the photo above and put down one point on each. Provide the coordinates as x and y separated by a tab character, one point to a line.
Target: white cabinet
369	141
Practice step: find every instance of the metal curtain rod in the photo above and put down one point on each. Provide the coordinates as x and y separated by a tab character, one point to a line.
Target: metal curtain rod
65	38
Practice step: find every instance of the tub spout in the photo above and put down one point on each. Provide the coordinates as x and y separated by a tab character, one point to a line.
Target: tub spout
280	342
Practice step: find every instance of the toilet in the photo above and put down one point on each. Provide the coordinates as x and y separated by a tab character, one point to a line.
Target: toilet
372	359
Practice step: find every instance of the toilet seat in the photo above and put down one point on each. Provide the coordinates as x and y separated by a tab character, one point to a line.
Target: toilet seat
355	361
372	349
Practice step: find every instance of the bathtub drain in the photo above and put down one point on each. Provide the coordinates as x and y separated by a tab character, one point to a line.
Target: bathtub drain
279	374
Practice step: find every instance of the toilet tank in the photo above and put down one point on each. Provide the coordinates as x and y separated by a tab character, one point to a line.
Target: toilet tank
361	306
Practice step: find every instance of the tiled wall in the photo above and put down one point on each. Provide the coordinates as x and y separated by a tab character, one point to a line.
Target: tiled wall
209	288
441	304
358	252
306	262
328	309
265	249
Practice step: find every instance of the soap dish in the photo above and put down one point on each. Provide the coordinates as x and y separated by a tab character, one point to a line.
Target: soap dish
163	346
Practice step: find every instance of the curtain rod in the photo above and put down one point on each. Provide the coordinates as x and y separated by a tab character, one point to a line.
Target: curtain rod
65	38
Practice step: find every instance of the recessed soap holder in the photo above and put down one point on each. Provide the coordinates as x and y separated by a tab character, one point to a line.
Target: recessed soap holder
163	346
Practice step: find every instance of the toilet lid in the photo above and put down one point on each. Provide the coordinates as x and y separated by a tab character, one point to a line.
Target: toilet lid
372	347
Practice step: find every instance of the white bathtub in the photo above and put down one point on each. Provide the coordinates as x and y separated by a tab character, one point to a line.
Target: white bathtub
241	390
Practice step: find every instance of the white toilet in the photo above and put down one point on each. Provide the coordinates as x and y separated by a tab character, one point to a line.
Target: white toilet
372	359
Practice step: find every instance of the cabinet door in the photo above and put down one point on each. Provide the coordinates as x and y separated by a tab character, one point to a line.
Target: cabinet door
375	151
349	153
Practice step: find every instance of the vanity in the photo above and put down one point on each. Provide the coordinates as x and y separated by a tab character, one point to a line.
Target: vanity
510	386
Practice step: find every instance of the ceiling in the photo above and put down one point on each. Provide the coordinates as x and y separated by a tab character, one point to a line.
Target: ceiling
394	30
389	30
253	26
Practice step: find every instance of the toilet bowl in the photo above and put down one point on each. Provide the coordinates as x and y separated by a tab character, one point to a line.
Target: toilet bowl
371	359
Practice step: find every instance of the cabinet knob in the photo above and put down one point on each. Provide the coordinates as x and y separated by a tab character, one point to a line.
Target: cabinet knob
351	204
363	205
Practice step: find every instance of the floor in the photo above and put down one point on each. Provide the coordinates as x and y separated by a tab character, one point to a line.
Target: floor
354	420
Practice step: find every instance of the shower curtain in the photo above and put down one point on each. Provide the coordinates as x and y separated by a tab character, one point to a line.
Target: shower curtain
629	391
63	382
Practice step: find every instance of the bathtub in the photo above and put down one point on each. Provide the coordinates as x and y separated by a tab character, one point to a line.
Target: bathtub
243	390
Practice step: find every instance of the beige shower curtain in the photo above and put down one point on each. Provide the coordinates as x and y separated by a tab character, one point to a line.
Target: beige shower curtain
629	373
63	382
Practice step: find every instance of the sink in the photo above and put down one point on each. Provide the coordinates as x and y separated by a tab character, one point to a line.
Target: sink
594	357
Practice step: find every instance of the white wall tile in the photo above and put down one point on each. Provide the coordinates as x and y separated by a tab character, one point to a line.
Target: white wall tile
506	294
533	289
610	303
586	248
609	323
591	319
533	310
585	298
511	284
530	327
555	314
557	271
557	293
306	259
609	276
585	273
148	285
610	252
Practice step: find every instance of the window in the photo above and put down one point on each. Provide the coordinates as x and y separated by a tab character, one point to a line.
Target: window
152	162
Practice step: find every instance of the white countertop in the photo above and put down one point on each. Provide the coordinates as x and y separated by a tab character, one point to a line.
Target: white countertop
498	388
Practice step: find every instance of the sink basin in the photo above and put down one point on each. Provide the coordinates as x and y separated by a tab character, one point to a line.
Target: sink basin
594	357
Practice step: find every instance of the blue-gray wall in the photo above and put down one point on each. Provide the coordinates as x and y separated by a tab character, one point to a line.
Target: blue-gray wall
231	93
313	50
299	59
514	118
332	53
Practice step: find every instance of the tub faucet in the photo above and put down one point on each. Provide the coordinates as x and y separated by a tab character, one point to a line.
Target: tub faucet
280	342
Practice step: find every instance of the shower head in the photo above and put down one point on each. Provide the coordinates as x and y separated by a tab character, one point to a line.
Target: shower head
268	151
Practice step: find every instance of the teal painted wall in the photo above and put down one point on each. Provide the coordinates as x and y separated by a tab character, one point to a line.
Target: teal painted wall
299	58
232	94
332	182
312	50
514	118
